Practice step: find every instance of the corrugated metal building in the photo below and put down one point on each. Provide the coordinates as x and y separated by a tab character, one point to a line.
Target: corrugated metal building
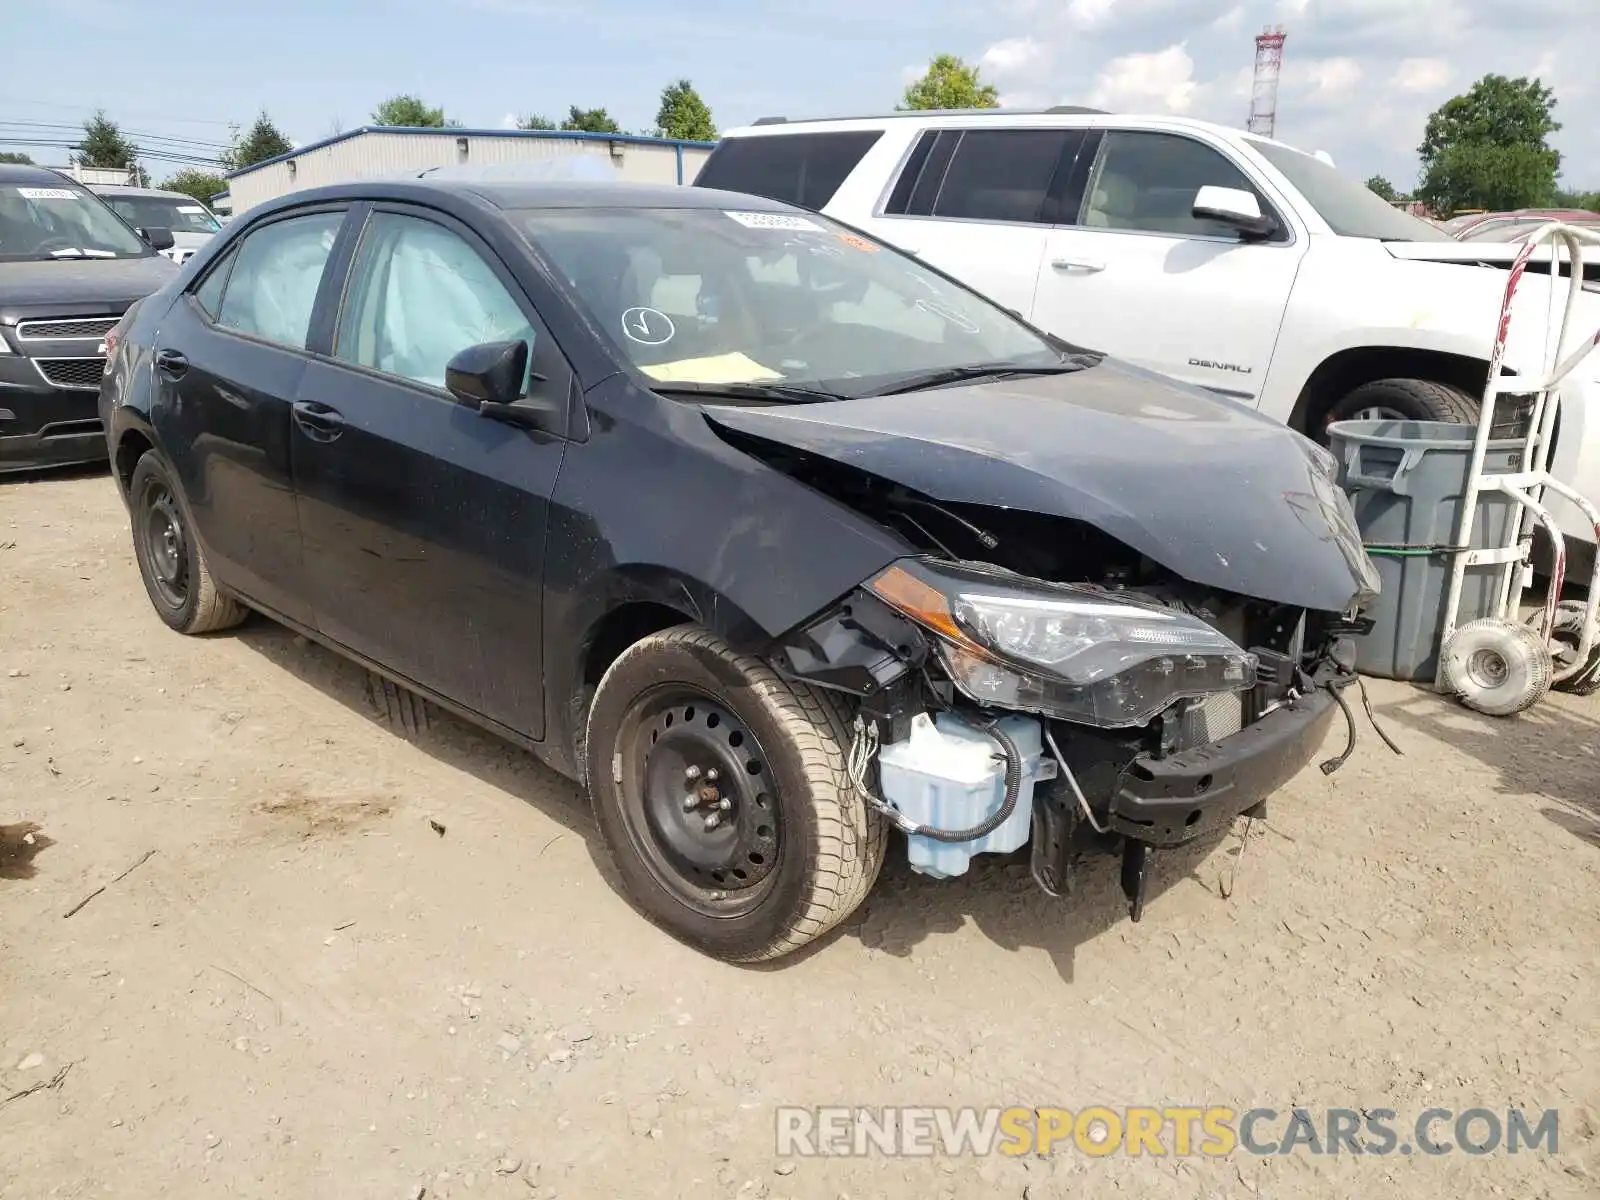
377	150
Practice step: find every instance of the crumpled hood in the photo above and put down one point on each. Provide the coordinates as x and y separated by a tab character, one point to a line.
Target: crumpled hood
1213	491
99	285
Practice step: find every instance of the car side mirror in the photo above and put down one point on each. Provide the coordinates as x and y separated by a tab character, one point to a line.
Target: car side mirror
1235	207
488	377
156	237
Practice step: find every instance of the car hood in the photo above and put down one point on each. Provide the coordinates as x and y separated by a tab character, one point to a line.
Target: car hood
1207	488
95	284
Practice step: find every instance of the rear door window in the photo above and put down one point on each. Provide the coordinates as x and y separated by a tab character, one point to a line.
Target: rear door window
805	169
1002	174
272	287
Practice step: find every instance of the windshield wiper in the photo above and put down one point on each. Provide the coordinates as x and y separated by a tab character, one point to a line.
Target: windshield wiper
973	371
790	392
79	252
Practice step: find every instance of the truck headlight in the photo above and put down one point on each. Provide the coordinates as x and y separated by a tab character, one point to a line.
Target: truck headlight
1073	653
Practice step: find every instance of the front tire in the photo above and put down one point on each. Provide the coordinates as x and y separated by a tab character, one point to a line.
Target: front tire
171	561
721	791
1401	400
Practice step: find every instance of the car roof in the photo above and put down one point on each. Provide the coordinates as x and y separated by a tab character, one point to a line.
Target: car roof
515	194
1060	117
30	173
118	189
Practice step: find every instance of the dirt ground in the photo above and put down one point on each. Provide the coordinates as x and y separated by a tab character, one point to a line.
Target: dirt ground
300	988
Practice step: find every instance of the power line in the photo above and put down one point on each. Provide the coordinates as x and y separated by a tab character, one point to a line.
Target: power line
135	134
91	108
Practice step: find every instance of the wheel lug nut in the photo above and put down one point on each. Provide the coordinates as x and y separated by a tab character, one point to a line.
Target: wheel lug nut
711	774
691	802
692	774
713	821
724	804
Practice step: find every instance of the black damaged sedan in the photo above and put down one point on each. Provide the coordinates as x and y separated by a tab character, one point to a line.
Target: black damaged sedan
772	536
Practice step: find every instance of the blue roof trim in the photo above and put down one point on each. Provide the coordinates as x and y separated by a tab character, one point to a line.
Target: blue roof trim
630	139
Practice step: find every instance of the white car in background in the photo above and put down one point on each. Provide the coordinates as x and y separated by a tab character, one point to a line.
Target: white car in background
191	223
1208	254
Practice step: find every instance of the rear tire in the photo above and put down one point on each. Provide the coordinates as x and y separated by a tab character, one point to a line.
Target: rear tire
793	852
1401	400
1496	667
171	560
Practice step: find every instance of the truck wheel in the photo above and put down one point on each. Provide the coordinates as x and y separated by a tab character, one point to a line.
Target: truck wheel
1401	400
1566	637
1496	667
171	560
721	791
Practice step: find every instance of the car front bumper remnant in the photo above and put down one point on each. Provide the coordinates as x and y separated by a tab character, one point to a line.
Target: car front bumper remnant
1173	800
45	426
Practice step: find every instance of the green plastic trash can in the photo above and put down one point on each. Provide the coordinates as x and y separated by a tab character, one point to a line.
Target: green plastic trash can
1405	480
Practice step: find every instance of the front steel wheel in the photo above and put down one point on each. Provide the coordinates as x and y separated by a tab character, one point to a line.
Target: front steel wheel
721	791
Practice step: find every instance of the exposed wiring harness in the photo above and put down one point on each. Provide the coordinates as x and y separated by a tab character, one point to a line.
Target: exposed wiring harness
864	748
1335	688
1072	781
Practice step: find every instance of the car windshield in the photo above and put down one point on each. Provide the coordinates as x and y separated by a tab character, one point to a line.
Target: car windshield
1349	207
179	214
714	297
65	221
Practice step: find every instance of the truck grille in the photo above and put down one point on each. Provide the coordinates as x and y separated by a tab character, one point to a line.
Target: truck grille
83	374
87	328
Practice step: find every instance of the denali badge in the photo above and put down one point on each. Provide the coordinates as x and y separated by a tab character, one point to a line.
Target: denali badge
1220	366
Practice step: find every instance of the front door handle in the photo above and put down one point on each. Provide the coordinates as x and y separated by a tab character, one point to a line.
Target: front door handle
317	421
1088	266
170	362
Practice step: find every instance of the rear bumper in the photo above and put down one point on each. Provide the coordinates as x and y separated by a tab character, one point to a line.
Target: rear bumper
44	426
1173	800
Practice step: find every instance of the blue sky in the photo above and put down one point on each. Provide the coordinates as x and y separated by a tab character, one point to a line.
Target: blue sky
1359	77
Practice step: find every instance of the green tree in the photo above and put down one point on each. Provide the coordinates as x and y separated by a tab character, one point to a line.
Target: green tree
684	115
590	120
1383	187
11	156
265	140
1488	148
950	83
192	181
1571	199
410	112
104	146
535	121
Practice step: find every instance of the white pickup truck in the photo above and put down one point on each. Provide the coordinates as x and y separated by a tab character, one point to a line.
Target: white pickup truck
1224	259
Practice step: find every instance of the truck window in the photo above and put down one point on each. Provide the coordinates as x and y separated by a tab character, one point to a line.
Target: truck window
798	168
1346	204
1147	182
999	174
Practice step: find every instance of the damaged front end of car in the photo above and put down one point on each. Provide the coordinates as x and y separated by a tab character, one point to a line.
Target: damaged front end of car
1027	678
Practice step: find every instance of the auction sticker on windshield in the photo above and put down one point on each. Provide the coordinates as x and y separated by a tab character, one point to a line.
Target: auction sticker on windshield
28	193
761	220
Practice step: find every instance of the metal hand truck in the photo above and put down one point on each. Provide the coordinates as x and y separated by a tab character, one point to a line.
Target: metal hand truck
1499	664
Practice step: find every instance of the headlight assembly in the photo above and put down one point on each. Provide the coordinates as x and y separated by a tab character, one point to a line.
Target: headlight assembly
1080	655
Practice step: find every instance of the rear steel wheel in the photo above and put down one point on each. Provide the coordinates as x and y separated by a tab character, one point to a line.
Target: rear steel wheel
171	559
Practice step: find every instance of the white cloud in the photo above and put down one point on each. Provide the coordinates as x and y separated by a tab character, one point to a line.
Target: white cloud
1230	21
1422	74
1086	14
1011	56
1162	81
1329	78
509	121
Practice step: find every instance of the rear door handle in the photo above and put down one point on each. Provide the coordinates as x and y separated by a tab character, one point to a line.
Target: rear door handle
317	421
1077	264
171	363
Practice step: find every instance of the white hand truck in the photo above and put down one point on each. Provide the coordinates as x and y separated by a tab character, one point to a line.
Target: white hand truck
1499	664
